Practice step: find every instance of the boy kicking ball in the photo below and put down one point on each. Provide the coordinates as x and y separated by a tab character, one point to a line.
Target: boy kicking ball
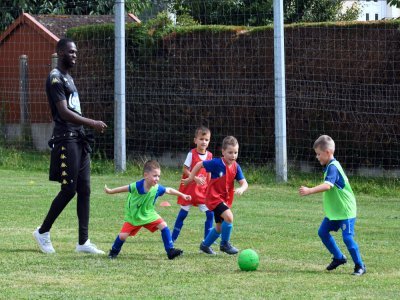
220	193
140	211
339	206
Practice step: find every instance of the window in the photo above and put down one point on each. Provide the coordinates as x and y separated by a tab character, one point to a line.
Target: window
376	17
366	17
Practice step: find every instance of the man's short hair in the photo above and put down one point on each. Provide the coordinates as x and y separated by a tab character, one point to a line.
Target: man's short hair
150	165
324	142
62	44
229	141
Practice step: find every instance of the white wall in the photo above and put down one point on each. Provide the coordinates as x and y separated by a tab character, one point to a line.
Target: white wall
375	9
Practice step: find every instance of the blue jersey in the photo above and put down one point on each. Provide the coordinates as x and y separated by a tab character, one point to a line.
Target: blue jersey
217	168
221	187
333	176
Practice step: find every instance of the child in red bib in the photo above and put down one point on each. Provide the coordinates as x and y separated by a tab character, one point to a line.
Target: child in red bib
219	197
197	189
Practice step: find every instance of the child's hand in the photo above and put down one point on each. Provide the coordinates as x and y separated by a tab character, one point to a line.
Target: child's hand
107	190
187	197
186	181
304	191
199	180
239	191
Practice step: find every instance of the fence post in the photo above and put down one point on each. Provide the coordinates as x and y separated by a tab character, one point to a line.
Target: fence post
119	89
54	60
280	93
24	96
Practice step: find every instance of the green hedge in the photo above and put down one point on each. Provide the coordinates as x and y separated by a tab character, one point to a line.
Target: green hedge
342	79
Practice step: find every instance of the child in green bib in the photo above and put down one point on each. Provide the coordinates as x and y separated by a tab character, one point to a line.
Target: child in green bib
140	209
339	206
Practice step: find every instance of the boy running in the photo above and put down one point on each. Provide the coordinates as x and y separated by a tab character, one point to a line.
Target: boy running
197	188
140	212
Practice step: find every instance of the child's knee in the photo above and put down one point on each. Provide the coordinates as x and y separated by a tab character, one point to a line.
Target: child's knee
229	219
162	225
227	216
123	236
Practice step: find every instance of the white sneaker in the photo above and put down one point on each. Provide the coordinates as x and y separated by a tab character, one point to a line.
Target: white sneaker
88	247
43	241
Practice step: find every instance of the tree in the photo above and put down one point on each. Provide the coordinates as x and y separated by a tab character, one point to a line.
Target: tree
260	12
323	11
11	9
394	3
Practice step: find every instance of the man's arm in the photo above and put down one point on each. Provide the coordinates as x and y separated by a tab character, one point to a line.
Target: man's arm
69	116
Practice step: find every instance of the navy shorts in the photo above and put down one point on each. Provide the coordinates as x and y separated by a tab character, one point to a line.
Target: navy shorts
218	211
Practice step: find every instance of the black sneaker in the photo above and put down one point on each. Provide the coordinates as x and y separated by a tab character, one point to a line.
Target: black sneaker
172	253
207	250
336	263
228	248
113	254
359	270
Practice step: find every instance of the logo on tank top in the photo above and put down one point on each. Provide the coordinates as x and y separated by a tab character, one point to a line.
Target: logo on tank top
344	227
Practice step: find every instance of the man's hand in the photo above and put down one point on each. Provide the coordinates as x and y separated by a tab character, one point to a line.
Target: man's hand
99	126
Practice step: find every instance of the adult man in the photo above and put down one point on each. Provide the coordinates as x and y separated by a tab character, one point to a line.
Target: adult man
70	154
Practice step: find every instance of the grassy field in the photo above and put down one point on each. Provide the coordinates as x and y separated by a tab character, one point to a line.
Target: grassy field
271	219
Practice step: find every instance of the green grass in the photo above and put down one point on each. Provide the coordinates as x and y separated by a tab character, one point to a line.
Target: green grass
270	218
18	159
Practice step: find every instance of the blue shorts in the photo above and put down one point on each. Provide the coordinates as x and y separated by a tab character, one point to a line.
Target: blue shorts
347	225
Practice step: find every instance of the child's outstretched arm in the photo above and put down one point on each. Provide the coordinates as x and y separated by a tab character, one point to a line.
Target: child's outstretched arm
171	191
198	180
304	191
194	172
243	187
120	189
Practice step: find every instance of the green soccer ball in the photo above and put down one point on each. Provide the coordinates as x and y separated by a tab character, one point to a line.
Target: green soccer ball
248	260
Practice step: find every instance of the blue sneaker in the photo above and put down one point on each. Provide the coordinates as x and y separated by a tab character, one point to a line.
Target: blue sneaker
228	248
207	250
